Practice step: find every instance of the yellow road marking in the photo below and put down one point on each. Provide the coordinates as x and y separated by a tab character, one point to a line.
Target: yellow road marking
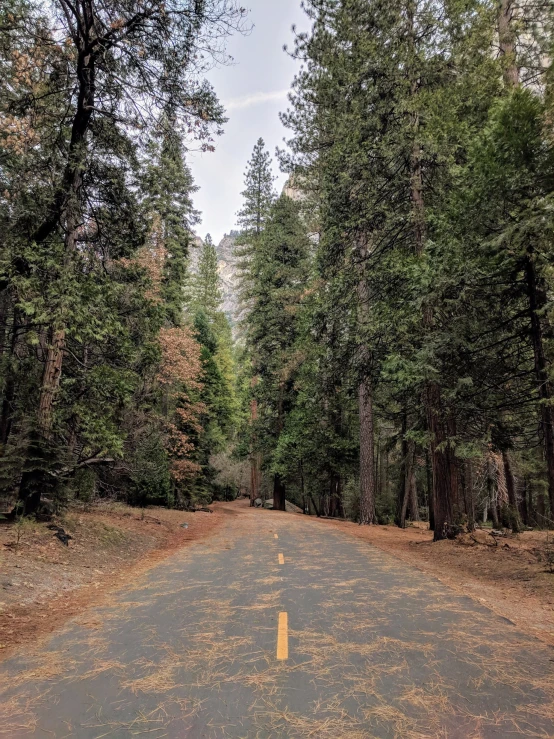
283	636
281	559
275	535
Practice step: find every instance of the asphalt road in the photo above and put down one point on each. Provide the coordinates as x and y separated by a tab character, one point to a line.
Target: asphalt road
331	640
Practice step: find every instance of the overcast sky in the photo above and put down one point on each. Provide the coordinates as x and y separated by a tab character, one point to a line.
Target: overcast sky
253	91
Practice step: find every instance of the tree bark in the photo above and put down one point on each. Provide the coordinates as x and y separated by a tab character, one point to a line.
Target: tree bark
468	495
278	494
430	491
492	497
316	509
512	499
401	498
413	503
254	457
8	395
367	472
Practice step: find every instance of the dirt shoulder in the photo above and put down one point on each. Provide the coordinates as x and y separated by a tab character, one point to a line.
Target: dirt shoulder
511	577
44	583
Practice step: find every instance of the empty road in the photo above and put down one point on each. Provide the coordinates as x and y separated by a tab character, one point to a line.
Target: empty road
280	627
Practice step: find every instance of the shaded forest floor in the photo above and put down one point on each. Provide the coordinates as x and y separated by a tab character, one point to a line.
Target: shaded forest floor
512	577
44	583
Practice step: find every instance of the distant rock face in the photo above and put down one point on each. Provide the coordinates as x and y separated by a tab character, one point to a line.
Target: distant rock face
227	267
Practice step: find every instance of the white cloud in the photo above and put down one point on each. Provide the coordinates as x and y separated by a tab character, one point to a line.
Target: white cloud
247	101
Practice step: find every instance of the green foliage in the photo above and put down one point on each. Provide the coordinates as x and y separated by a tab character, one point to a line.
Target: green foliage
259	194
95	219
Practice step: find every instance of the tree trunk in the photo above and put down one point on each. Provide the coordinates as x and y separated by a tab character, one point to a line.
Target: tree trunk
507	44
254	467
413	503
515	521
8	395
440	463
492	497
430	491
401	498
537	304
468	495
278	494
541	511
336	508
316	509
51	380
408	484
367	476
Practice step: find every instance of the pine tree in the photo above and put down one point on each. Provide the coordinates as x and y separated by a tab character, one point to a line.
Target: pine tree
258	194
277	280
206	290
169	190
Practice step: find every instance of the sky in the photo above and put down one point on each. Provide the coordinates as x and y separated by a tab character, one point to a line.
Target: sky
253	90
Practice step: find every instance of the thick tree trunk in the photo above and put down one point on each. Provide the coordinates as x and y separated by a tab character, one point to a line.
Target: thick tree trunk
413	503
440	463
51	380
367	470
278	494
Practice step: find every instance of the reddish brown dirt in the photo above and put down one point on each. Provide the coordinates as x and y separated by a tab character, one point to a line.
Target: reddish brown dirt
44	583
512	578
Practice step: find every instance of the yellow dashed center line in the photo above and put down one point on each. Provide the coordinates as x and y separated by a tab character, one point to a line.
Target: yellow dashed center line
283	637
281	559
275	535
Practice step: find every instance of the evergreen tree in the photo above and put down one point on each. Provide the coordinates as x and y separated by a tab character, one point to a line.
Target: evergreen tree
258	194
170	188
206	290
276	284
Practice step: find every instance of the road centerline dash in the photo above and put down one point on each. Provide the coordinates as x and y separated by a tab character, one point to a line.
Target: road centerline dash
283	636
281	559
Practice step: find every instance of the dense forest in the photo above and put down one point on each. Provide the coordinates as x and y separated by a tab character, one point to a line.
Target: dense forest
392	357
